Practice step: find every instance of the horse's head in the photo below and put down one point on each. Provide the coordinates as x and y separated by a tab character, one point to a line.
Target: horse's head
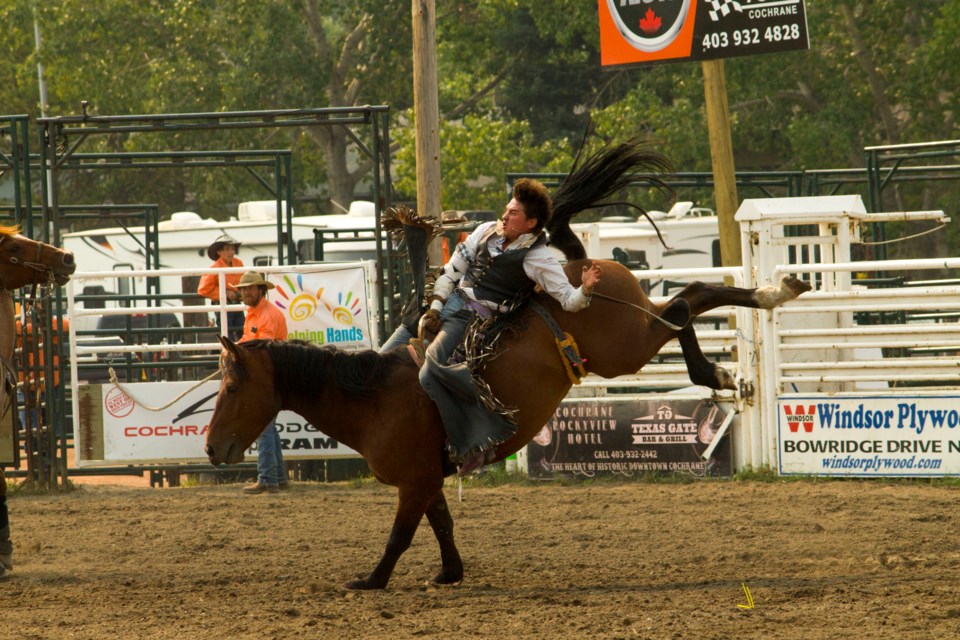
24	261
246	403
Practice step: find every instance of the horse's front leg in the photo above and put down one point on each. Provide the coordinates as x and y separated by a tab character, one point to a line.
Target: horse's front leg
6	547
413	504
438	514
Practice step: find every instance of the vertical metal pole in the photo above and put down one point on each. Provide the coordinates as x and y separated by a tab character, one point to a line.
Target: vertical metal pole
288	191
42	83
402	282
384	255
873	182
278	196
17	178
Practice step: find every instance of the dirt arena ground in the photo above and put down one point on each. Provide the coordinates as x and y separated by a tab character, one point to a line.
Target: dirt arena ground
820	559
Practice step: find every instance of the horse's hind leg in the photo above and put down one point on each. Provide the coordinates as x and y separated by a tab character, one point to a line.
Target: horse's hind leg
442	523
701	371
704	297
413	504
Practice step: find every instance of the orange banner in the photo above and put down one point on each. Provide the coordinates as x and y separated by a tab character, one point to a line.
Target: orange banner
641	32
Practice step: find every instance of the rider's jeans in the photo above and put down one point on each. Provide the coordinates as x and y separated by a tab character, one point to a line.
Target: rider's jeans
402	335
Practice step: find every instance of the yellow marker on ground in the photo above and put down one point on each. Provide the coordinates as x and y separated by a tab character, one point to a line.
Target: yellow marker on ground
746	591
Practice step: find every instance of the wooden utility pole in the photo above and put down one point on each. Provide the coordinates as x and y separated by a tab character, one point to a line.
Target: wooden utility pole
426	107
721	155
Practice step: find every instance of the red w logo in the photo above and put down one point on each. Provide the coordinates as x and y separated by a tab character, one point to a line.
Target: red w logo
798	416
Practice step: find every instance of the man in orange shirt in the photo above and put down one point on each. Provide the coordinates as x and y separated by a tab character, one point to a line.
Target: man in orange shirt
264	322
223	252
32	390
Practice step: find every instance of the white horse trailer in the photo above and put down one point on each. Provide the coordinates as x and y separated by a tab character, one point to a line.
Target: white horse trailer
185	236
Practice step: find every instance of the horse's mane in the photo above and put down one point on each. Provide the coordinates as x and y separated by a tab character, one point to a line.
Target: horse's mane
9	229
304	368
597	176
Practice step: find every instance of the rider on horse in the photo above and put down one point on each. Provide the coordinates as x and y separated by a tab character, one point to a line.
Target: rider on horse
496	265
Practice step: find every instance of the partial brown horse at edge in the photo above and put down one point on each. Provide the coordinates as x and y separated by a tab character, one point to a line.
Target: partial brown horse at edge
23	262
374	404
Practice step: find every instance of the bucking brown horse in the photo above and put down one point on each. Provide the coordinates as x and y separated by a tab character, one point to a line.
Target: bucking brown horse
373	403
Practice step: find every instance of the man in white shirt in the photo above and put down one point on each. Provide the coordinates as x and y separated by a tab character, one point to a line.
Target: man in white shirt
498	263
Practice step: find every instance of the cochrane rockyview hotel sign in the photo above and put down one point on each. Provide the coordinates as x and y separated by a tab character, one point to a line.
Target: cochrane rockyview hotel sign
638	32
627	436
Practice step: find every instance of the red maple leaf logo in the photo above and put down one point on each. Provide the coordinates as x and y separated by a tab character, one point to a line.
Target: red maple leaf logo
650	22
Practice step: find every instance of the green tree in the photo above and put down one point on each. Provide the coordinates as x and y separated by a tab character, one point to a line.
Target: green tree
476	154
518	82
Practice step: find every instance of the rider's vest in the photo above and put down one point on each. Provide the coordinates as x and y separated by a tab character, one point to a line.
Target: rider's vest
500	278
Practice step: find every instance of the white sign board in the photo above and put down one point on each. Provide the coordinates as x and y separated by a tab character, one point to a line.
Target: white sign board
868	436
133	433
328	307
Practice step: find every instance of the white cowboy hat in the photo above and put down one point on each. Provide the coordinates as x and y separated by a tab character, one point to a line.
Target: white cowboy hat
219	243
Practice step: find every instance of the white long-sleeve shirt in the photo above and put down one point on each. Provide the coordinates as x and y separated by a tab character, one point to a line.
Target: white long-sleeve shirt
539	264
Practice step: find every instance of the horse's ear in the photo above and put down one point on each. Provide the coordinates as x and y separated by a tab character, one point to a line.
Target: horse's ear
230	346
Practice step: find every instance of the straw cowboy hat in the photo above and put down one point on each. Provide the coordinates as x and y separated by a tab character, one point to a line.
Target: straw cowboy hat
220	243
452	217
251	279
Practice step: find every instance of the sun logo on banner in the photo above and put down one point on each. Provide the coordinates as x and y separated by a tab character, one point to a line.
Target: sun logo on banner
301	305
346	309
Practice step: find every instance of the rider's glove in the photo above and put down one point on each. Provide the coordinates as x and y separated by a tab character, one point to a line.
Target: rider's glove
430	323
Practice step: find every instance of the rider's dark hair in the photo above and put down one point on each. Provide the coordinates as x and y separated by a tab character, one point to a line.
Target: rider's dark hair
535	200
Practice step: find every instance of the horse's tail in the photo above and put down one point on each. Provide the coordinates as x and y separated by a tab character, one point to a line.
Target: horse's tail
597	176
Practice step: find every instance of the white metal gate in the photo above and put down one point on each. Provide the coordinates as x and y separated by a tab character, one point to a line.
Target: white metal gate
828	349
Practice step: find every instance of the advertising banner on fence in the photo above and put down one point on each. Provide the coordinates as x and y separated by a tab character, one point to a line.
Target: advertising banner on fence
869	436
118	427
638	32
327	307
628	436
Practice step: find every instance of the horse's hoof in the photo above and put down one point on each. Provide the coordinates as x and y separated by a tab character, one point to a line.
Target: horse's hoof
795	285
724	379
718	378
770	297
443	579
364	584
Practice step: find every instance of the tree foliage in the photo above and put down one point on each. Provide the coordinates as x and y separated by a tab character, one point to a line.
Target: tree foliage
519	81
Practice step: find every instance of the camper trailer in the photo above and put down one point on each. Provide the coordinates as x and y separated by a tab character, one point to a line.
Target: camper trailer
692	234
185	236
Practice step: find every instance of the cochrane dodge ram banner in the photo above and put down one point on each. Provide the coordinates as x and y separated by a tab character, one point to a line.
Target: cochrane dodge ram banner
116	427
868	436
637	32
